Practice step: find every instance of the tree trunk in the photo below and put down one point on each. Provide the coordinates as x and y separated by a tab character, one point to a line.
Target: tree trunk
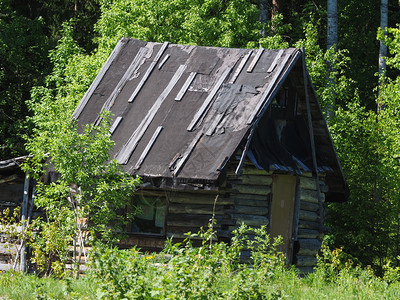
263	4
382	47
332	34
331	43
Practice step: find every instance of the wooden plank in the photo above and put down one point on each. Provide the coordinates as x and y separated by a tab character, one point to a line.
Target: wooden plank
308	215
251	189
191	220
98	78
268	91
148	72
308	225
310	196
5	267
244	197
308	183
309	206
263	179
198	199
185	86
8	249
250	220
308	234
128	74
208	100
115	124
255	60
253	203
163	61
309	246
251	210
125	153
197	209
240	67
9	178
148	147
306	261
187	152
275	62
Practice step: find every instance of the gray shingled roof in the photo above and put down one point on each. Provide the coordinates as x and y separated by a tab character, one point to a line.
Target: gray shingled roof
182	111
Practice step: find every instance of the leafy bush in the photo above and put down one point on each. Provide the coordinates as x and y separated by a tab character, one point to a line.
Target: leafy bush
181	271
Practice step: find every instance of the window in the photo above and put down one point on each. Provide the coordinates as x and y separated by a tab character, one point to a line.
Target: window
150	217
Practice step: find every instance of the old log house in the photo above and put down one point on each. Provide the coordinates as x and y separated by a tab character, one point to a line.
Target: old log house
234	133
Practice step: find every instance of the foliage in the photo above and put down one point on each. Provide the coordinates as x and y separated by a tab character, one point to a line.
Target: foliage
87	197
18	286
332	86
211	271
199	22
183	271
368	147
20	38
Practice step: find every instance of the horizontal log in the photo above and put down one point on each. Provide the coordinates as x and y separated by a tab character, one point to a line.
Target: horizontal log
247	170
308	215
236	197
309	183
197	209
244	209
5	267
252	179
184	229
143	241
305	205
309	246
306	261
191	220
250	220
198	199
7	249
308	225
311	196
9	178
308	234
251	189
254	203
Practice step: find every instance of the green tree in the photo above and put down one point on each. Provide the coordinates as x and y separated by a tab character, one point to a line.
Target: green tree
23	61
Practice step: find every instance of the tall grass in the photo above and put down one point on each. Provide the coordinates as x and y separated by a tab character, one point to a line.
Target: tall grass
211	271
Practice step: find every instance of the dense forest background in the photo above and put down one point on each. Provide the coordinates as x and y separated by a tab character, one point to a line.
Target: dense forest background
50	51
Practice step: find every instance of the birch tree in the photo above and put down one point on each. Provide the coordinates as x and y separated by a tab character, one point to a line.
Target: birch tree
331	45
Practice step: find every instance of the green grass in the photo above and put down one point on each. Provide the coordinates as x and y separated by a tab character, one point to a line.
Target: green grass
282	285
212	271
17	286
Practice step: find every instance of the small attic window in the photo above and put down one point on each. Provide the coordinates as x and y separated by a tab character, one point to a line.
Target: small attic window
281	98
151	215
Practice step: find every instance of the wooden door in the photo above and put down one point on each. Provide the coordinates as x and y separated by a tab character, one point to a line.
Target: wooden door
282	209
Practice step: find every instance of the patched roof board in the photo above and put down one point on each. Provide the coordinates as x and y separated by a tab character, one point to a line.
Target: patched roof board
192	137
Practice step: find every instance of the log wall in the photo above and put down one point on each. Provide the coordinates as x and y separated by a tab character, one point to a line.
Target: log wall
241	199
309	234
250	193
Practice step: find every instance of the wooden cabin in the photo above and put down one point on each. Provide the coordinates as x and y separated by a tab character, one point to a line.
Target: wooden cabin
235	133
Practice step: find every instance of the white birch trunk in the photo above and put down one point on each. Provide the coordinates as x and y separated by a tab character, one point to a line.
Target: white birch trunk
332	34
382	47
331	43
263	4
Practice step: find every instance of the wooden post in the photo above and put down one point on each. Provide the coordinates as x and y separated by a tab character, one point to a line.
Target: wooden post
24	218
